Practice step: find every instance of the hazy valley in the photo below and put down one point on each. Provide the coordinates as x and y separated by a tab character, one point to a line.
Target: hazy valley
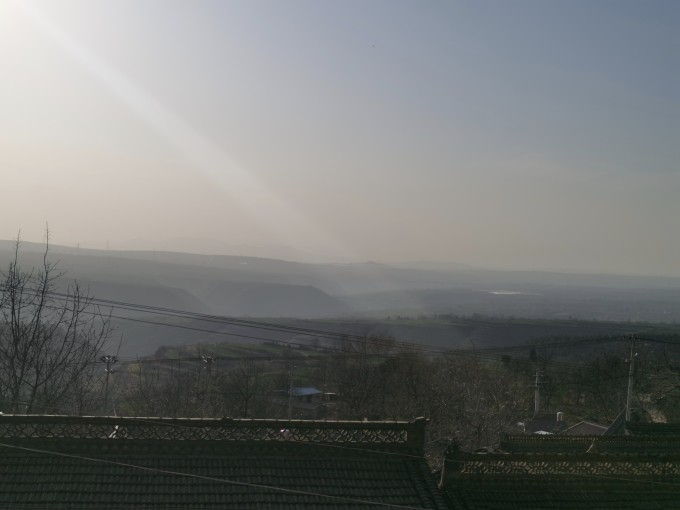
457	307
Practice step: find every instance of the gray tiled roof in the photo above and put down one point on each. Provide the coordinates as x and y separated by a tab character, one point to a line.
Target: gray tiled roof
567	472
519	492
67	462
584	428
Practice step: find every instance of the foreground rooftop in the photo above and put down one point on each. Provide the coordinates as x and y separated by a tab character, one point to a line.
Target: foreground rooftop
527	472
60	462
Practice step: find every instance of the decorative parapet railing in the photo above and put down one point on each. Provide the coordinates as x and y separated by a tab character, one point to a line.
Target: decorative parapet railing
630	458
586	464
408	434
580	444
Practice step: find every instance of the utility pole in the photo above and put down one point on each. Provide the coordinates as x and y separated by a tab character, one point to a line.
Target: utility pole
537	392
110	361
290	393
631	369
208	360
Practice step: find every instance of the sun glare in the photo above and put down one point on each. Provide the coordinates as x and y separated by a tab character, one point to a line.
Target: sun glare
285	222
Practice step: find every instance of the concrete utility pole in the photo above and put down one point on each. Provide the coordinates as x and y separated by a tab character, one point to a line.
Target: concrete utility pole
290	393
631	370
208	361
537	392
110	361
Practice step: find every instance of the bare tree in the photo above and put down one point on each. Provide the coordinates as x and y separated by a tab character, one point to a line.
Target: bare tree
359	377
49	341
407	383
169	388
477	401
248	388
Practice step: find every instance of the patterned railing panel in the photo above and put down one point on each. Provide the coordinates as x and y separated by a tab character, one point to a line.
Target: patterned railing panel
582	444
406	433
604	466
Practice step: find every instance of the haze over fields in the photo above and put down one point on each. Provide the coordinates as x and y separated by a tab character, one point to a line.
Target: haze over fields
452	306
522	135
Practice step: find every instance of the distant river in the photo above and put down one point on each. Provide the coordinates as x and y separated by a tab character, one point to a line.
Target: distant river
512	292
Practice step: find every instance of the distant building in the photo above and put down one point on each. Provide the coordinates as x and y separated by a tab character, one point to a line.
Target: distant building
303	402
546	424
306	394
584	428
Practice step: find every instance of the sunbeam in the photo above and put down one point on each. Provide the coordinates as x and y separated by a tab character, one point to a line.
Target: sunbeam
283	220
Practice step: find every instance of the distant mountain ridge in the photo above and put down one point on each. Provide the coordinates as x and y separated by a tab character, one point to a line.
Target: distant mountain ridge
369	292
257	287
177	281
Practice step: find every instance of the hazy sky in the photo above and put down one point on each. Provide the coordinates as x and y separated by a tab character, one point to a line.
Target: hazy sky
514	134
